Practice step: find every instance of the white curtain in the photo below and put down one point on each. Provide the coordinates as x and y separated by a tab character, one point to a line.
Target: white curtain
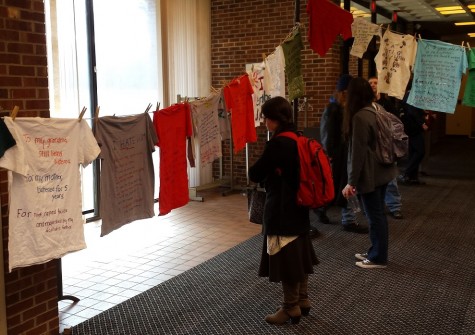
186	40
62	58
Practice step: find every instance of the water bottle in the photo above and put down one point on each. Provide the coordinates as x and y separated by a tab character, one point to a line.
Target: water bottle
354	204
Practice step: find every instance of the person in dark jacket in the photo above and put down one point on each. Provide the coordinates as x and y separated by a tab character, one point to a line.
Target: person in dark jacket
414	120
337	150
393	196
366	176
287	254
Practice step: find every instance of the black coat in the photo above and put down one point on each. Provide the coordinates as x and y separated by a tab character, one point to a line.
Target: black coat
413	118
335	147
278	169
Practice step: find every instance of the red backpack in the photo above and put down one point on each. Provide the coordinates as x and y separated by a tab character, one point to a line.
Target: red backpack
316	179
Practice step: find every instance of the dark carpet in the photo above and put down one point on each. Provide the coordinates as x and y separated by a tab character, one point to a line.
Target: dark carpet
427	288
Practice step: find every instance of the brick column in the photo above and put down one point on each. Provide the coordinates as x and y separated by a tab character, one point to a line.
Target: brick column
31	292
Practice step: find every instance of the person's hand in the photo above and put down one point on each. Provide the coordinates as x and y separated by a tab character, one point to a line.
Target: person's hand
348	191
425	127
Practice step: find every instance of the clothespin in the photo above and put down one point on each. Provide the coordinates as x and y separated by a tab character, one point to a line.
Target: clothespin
158	106
264	57
82	114
96	114
14	112
468	45
148	108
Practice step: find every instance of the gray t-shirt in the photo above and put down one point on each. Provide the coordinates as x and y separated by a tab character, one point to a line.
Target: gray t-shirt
127	172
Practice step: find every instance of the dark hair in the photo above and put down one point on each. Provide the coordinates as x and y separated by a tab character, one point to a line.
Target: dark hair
280	110
359	95
343	82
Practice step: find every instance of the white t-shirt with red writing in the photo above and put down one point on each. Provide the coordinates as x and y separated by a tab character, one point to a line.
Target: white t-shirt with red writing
45	217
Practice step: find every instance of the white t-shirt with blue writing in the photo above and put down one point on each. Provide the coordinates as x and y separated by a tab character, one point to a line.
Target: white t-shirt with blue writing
45	217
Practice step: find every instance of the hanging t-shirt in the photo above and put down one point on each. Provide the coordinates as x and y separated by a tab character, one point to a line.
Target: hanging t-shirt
45	219
437	76
363	31
6	139
469	93
395	57
223	117
274	73
257	80
238	97
127	173
173	126
292	48
326	22
204	113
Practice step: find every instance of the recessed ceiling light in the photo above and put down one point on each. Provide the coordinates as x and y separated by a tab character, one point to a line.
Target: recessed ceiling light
452	12
440	9
470	23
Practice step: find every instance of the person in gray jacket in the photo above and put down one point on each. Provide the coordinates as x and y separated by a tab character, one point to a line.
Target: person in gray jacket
366	176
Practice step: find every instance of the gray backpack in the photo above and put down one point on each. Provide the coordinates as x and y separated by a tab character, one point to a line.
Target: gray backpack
392	142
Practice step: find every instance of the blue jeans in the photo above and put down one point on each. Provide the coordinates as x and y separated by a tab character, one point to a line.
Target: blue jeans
347	216
373	203
392	198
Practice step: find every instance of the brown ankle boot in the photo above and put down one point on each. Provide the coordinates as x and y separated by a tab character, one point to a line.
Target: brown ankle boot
304	302
284	314
290	308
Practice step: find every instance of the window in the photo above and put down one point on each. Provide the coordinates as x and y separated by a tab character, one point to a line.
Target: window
138	52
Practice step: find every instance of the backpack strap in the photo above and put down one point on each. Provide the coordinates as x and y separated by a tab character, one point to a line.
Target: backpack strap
373	108
289	134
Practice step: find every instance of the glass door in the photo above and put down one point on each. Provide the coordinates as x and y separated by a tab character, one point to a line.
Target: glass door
103	53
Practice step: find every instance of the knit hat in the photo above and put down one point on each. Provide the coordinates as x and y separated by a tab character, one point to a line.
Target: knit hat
278	109
343	82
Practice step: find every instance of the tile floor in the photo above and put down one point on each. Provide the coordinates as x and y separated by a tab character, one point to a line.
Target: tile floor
145	253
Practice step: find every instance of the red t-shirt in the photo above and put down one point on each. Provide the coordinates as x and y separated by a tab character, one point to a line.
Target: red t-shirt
326	22
238	98
173	126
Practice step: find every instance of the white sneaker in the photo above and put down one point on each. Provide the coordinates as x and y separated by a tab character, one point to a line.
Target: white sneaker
361	257
367	264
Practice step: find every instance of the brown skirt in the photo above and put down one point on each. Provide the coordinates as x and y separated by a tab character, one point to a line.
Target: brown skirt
291	264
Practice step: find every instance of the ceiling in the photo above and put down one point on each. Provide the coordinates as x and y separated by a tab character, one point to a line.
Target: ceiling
427	20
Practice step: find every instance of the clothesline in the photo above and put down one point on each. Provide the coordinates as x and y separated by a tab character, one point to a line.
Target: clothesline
417	36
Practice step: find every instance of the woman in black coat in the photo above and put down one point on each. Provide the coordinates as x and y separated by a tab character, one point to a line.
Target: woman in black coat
287	254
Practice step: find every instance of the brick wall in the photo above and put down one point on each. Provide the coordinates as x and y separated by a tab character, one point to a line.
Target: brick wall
31	293
241	30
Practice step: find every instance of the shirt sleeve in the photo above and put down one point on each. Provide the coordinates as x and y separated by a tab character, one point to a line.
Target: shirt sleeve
90	148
